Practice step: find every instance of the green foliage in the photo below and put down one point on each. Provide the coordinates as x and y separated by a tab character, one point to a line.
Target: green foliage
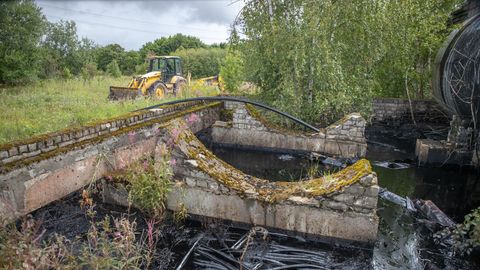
105	246
149	183
412	32
180	214
466	236
128	63
66	74
232	71
89	70
105	55
167	45
141	68
22	26
323	59
201	62
59	48
113	69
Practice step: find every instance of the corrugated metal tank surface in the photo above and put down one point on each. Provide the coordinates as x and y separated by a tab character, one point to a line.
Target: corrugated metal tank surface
456	78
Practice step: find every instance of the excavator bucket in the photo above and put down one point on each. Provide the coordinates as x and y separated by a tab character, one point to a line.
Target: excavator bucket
123	93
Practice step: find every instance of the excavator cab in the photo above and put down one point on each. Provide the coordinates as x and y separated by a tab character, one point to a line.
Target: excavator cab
164	76
169	66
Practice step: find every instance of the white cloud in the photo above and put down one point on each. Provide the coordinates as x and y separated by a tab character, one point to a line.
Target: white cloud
133	23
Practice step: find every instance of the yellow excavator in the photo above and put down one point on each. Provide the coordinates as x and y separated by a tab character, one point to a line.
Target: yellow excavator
164	76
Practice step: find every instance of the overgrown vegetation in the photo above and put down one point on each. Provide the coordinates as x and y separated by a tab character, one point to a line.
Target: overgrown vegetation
466	236
201	62
232	72
111	243
148	184
55	104
323	59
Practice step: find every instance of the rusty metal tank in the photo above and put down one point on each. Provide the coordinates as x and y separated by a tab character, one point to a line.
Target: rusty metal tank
456	76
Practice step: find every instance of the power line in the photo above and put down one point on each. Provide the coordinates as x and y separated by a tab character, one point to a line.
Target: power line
130	29
129	19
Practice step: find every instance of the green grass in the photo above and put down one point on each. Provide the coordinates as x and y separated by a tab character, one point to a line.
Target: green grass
55	104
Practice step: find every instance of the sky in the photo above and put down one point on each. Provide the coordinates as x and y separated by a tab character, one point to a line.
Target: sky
133	23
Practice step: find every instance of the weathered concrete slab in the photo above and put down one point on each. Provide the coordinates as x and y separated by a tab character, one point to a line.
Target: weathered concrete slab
435	153
298	218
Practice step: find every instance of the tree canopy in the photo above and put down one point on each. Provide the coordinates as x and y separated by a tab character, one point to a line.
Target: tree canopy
322	59
167	45
21	28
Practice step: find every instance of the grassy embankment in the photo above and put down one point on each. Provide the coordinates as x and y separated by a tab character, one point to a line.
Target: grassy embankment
55	104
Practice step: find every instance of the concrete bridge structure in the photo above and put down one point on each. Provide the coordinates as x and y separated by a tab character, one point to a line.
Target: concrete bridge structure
46	168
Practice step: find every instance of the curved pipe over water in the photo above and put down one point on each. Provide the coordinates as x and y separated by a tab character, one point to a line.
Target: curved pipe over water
243	100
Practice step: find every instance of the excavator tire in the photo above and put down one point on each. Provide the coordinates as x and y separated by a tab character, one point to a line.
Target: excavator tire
158	90
179	88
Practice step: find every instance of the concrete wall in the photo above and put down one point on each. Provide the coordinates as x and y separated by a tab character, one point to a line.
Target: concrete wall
38	177
394	109
348	214
340	206
344	138
15	152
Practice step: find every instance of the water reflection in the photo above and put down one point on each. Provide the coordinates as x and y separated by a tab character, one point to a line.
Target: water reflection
403	242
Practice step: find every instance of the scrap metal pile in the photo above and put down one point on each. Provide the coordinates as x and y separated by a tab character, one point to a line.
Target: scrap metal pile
260	249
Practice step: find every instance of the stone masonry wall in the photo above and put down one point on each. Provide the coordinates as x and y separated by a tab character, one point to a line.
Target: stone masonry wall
345	138
242	119
393	109
358	198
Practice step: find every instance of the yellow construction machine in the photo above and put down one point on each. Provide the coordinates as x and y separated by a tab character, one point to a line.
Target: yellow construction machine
164	76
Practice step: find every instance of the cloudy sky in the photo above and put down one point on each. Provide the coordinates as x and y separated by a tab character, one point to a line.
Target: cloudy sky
133	23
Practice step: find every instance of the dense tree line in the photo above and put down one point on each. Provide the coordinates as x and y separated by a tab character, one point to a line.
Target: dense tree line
311	58
321	59
33	48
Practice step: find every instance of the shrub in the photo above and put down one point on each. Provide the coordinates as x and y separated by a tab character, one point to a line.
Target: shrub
113	69
232	72
20	248
180	214
89	70
149	183
141	69
466	236
66	74
201	62
110	247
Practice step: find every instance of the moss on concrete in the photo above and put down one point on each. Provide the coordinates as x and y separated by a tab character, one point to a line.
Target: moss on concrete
262	189
226	115
51	135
